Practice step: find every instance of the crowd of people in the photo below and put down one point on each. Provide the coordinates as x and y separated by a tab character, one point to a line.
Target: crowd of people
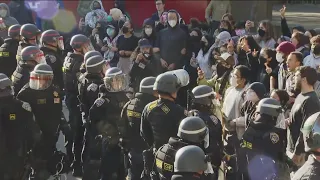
206	100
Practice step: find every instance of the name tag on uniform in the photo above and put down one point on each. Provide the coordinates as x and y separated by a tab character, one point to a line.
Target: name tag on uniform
41	101
56	100
142	66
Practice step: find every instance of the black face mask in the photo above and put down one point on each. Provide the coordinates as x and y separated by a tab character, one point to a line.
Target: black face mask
316	49
221	69
125	29
194	39
262	60
261	32
203	44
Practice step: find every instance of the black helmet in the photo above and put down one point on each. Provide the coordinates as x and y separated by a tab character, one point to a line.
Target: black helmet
33	53
146	85
203	95
14	30
41	77
95	64
90	54
5	86
192	129
269	107
52	36
190	159
80	41
311	133
115	80
167	83
29	31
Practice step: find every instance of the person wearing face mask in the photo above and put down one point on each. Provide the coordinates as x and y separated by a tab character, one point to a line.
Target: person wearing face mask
260	155
7	20
71	67
149	31
203	60
84	7
17	128
171	42
231	108
283	51
283	97
313	60
96	14
265	36
8	51
46	102
30	36
52	46
30	57
304	106
145	64
109	44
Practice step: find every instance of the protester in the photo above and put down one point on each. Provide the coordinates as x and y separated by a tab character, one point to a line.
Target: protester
313	60
19	11
160	4
7	20
301	42
149	31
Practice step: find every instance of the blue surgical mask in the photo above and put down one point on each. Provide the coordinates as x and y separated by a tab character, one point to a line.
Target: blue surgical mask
110	32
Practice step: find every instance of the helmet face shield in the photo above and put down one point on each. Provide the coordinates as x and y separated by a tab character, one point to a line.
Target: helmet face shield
40	81
60	43
40	58
116	83
206	140
88	47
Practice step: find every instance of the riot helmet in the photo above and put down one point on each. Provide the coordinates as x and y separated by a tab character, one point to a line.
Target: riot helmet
91	54
311	133
166	83
33	53
115	80
30	32
41	77
182	76
52	37
190	159
269	106
203	95
193	129
14	30
81	43
96	64
146	85
5	86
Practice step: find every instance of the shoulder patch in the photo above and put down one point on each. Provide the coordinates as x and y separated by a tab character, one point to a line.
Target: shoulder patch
99	102
274	137
214	119
165	109
52	58
26	106
92	87
152	105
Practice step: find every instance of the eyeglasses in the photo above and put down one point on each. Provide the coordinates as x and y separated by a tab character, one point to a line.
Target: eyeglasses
158	4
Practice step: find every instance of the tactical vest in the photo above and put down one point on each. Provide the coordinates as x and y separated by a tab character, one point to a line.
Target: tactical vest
165	157
70	77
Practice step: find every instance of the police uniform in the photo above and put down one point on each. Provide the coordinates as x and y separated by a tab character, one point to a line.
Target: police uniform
55	60
21	76
21	46
160	121
105	120
8	52
132	114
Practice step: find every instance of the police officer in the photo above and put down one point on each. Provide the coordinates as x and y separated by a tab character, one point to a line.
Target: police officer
8	50
86	57
52	46
160	119
263	145
88	93
30	36
131	113
191	131
45	101
18	132
189	164
202	104
80	44
106	120
30	57
311	135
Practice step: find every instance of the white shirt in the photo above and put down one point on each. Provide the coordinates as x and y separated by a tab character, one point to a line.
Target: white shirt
312	61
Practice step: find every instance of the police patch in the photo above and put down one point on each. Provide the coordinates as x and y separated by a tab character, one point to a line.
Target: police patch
26	106
12	117
152	105
214	120
92	87
52	58
274	137
99	102
165	109
55	94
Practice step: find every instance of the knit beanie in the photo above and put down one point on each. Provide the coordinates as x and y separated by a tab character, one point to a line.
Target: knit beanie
259	89
286	48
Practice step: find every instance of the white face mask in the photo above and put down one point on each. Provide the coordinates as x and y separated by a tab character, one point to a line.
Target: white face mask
148	31
279	57
252	96
233	82
172	23
3	13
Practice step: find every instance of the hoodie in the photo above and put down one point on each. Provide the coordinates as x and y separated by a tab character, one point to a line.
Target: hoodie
85	6
19	11
94	16
8	21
